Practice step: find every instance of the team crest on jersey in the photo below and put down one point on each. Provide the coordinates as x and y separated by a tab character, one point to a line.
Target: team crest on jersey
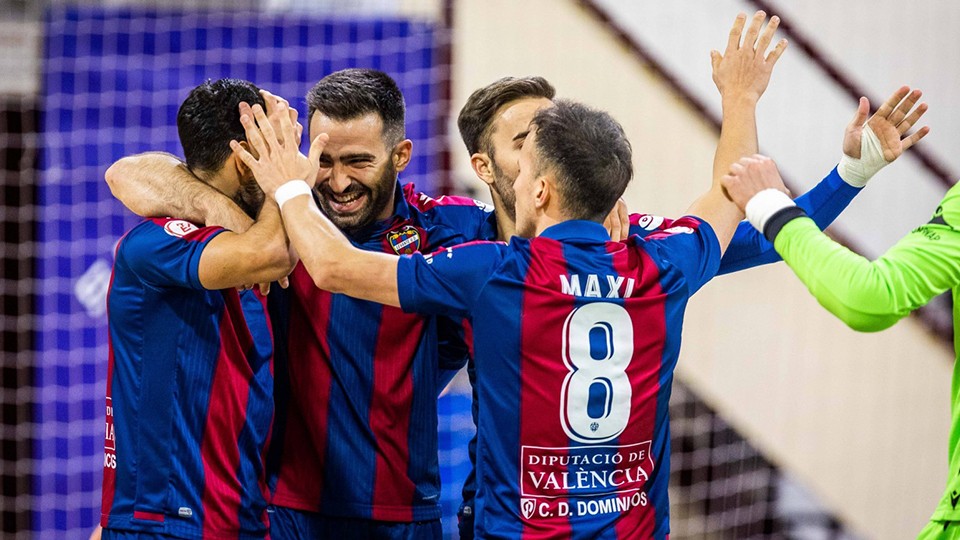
179	228
405	240
527	506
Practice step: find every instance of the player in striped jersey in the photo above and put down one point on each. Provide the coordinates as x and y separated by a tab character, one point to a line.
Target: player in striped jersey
495	120
575	337
355	451
190	383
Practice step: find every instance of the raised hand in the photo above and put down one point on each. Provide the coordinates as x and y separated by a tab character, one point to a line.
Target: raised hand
743	70
617	221
749	176
890	124
273	101
277	162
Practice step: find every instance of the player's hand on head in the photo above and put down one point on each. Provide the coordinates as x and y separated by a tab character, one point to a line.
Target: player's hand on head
617	221
273	112
744	68
276	162
749	176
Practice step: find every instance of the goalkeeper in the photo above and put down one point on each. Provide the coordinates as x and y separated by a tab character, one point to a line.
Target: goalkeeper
869	296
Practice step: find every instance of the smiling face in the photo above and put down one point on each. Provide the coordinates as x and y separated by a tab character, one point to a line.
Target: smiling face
358	176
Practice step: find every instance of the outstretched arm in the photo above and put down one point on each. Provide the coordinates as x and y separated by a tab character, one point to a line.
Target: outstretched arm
741	74
155	184
866	295
868	146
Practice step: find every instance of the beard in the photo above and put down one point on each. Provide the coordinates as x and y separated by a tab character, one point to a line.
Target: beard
377	199
503	186
249	198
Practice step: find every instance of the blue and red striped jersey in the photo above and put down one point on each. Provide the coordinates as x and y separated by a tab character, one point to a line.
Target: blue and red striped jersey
576	339
189	393
357	382
748	249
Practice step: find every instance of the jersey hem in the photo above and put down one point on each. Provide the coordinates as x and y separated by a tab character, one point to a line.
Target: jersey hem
179	529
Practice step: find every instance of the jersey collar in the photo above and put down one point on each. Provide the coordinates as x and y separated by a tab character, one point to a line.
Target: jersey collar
577	229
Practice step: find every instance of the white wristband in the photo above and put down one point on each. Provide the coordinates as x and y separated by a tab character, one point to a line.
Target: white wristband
293	188
764	205
857	172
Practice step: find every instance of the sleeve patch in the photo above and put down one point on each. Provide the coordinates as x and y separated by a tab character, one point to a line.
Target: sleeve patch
179	228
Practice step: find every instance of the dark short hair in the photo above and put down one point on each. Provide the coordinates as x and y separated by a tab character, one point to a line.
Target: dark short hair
351	93
476	116
209	119
589	154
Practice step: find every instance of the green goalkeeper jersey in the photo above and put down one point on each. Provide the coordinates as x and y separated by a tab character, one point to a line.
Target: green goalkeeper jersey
872	296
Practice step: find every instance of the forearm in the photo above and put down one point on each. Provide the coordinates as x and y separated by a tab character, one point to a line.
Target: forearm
332	261
259	255
156	184
867	296
738	134
823	203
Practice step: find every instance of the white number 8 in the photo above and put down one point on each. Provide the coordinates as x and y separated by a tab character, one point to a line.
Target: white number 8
608	370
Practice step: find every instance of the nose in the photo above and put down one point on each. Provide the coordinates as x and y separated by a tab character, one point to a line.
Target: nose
339	180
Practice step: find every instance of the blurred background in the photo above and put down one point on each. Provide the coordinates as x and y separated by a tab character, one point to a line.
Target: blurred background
786	424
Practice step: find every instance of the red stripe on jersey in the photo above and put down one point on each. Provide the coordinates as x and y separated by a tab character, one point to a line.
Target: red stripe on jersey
423	202
109	456
226	416
301	478
390	407
264	488
468	335
649	333
542	374
148	516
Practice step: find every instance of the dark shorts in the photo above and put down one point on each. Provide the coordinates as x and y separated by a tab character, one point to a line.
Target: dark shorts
289	524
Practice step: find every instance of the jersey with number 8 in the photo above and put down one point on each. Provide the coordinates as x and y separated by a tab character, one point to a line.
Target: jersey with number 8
576	339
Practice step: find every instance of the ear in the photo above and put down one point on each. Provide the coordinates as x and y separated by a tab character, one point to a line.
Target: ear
543	192
482	167
401	154
242	169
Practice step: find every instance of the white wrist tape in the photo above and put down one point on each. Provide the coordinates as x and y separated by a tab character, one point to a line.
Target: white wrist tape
293	188
764	205
857	172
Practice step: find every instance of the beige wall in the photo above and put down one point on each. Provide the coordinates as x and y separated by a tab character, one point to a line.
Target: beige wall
860	419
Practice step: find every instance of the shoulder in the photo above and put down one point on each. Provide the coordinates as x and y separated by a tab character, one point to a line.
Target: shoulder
683	226
153	234
423	203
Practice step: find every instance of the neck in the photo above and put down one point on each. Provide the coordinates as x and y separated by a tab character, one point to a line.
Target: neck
506	227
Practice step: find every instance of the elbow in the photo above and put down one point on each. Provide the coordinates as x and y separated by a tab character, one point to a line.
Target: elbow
114	175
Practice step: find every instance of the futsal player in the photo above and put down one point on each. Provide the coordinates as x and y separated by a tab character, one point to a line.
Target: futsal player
870	296
355	452
189	384
575	337
495	120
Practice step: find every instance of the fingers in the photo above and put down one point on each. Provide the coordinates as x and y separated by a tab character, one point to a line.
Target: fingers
750	40
715	59
245	156
264	288
266	128
887	108
901	110
316	147
863	109
911	120
284	282
624	215
767	35
913	139
777	51
733	40
254	135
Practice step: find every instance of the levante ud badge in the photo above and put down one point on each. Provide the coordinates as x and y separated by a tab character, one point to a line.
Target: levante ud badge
405	240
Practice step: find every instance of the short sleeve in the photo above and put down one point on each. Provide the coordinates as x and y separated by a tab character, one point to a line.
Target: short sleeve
448	281
690	246
166	252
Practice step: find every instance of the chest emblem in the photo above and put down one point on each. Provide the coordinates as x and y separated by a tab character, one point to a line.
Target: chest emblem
405	240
